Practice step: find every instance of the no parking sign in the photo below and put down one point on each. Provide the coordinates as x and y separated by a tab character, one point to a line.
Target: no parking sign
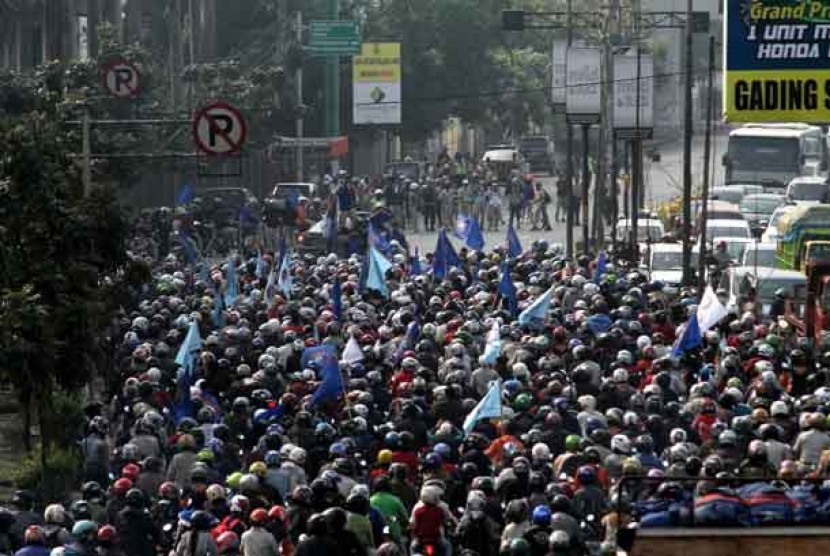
122	79
219	128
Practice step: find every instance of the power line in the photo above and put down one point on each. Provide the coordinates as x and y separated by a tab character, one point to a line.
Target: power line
484	94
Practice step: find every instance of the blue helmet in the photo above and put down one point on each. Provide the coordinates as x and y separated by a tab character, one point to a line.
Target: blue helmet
338	449
272	458
443	449
541	515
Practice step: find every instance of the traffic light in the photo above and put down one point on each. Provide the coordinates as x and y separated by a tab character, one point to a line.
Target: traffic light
513	20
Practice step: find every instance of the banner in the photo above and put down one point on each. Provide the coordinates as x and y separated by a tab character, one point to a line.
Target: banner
584	77
376	84
777	61
625	91
559	76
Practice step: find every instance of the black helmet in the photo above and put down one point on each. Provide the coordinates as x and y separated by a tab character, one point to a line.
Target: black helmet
201	520
92	490
336	518
134	498
318	525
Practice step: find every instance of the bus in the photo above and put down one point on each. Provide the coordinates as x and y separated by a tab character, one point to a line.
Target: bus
773	154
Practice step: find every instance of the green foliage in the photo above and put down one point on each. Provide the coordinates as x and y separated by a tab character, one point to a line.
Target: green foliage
63	419
52	483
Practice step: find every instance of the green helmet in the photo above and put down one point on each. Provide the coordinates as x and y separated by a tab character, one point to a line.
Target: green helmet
774	340
522	402
573	442
233	480
206	455
518	547
84	530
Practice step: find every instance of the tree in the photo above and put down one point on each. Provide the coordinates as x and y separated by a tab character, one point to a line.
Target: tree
56	247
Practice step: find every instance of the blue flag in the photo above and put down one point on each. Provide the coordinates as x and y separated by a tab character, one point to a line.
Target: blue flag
376	277
191	253
538	310
488	408
284	281
602	264
247	216
507	289
514	246
218	316
331	385
444	256
376	239
232	284
261	266
492	350
337	300
316	356
204	272
270	415
690	338
415	264
186	359
185	194
468	230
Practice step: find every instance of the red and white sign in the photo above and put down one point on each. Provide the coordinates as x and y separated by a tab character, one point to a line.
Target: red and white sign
121	79
219	128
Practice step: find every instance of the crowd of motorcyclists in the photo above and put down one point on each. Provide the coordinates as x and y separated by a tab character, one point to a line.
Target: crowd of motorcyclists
602	422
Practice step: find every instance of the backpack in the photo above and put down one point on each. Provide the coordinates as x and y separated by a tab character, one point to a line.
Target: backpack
227	524
767	504
720	508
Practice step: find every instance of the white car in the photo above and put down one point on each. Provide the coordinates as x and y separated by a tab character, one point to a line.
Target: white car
808	190
727	228
760	254
741	282
648	229
665	262
771	234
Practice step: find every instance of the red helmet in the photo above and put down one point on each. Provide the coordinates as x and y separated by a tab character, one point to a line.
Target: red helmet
259	516
121	486
107	533
168	491
131	471
227	542
277	513
34	535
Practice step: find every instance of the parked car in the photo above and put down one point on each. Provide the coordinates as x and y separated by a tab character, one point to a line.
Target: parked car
733	193
760	254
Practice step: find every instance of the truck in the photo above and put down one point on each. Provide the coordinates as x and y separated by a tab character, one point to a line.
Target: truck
773	154
804	234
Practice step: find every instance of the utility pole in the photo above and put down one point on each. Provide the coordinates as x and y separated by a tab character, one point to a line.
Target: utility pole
86	149
333	81
298	152
707	157
636	143
586	186
569	188
687	155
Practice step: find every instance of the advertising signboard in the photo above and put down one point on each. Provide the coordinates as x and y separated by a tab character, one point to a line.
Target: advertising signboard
583	98
559	73
626	87
376	82
777	61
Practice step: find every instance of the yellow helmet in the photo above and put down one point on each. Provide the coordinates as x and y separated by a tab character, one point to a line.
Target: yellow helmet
258	468
385	457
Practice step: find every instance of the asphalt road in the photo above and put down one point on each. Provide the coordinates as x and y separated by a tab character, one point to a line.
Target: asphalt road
663	181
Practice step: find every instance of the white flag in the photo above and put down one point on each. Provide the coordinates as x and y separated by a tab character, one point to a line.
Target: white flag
352	352
710	310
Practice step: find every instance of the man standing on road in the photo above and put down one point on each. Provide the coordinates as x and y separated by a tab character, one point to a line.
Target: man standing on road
561	198
541	200
514	201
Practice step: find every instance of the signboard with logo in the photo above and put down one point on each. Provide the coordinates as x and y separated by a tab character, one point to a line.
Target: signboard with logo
376	82
626	89
583	98
777	61
558	74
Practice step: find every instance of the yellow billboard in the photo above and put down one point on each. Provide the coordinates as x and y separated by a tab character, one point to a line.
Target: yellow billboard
376	84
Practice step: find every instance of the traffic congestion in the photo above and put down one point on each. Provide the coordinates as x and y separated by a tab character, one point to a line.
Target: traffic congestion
498	399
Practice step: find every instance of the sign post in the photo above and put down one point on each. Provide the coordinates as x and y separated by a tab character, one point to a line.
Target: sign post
219	129
777	61
122	79
583	102
334	37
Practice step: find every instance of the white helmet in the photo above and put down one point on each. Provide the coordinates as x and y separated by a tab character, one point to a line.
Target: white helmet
520	371
643	342
621	444
298	456
55	514
779	408
620	375
540	452
677	436
587	402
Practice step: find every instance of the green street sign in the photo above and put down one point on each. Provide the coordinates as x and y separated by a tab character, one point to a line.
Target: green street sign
334	37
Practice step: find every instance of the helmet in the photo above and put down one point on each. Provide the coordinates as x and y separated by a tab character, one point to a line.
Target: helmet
587	475
621	444
518	547
84	529
258	468
249	483
134	498
168	491
559	540
573	442
107	534
34	535
201	520
55	514
259	516
121	486
541	515
215	492
277	513
227	542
